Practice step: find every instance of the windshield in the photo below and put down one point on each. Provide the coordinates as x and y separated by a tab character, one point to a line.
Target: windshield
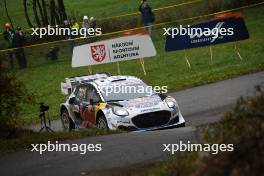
120	91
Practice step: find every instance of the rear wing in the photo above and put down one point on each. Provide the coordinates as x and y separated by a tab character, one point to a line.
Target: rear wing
69	84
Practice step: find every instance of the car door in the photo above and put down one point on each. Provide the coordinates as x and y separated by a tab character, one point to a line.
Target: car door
81	101
90	114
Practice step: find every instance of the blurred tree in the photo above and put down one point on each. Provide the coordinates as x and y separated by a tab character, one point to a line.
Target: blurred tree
62	11
50	12
7	14
35	10
55	19
13	96
45	13
26	14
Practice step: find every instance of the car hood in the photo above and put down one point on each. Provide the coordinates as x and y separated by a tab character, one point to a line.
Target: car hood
141	103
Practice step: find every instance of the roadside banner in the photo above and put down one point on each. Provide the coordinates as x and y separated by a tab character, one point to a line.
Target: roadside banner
136	46
210	33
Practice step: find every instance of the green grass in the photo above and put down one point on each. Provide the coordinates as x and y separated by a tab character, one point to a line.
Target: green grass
107	8
95	8
43	77
25	138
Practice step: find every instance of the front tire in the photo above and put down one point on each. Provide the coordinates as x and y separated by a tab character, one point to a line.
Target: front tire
182	125
102	123
67	123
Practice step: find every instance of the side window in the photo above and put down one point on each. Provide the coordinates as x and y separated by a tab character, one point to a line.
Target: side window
93	94
81	93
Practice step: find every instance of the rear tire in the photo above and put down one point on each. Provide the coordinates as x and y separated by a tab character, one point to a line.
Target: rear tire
67	123
102	123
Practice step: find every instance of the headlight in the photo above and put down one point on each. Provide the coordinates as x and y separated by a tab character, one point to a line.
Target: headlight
171	103
119	111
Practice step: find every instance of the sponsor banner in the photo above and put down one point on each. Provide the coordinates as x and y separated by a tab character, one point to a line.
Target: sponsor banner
119	49
215	32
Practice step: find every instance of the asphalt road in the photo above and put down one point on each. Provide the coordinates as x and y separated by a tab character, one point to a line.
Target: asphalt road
199	105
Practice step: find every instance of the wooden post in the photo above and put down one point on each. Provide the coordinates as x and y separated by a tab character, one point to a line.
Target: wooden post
118	68
211	53
90	69
143	66
237	52
187	60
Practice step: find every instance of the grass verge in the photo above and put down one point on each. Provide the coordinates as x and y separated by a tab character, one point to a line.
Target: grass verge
243	127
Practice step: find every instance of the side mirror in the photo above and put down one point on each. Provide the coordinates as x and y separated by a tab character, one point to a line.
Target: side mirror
91	102
72	100
162	96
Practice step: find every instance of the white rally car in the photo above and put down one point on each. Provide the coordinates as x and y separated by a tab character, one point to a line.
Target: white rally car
95	102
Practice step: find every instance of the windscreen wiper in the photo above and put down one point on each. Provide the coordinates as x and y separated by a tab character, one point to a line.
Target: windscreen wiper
115	103
109	101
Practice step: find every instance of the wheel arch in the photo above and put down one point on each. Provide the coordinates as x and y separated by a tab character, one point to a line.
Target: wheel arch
65	107
99	113
62	108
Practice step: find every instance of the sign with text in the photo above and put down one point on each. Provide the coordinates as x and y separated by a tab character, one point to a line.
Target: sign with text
114	50
214	32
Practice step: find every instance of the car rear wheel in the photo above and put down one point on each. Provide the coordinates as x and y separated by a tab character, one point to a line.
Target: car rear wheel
67	123
102	123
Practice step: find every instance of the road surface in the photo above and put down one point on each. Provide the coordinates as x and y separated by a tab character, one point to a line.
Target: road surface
199	105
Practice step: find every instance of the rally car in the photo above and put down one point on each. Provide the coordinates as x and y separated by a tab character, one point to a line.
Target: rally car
93	103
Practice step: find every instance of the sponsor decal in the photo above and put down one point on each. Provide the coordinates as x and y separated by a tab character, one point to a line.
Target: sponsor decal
98	52
119	49
141	103
124	121
149	110
210	33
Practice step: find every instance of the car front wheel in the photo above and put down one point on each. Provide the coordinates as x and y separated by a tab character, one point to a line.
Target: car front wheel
102	123
67	123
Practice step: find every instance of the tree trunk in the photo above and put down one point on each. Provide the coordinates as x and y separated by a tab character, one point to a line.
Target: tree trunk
52	18
6	10
55	19
45	14
36	13
62	12
26	14
41	13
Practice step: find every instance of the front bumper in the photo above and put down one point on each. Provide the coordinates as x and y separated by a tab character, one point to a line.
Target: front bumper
176	121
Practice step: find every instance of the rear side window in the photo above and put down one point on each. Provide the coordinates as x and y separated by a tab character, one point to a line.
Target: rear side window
82	93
